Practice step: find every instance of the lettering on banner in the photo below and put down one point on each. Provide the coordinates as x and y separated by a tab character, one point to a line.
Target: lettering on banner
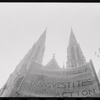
80	70
83	93
61	88
76	84
65	84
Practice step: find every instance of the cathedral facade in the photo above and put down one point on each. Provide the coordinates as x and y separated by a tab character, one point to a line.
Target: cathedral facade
32	79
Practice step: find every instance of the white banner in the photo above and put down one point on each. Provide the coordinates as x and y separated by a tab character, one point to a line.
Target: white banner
35	67
81	85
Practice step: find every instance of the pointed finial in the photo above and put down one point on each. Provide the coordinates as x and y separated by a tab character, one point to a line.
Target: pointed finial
45	29
72	30
72	37
53	55
43	36
44	33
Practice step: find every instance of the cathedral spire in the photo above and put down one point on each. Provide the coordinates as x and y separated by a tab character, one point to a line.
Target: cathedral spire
75	56
34	54
42	37
72	39
39	48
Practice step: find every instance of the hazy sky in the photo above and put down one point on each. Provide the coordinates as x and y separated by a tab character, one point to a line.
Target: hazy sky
21	24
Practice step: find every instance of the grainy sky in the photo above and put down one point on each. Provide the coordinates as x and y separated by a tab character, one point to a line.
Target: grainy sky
21	24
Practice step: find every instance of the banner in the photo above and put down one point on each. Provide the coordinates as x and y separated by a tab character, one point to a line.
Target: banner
35	67
39	84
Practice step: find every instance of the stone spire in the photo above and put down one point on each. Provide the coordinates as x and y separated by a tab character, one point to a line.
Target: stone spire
72	40
75	56
39	48
24	62
34	54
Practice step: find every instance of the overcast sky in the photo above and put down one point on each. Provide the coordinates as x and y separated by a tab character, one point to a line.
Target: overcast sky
21	24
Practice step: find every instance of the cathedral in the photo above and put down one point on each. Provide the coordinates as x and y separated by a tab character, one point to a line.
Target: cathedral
33	79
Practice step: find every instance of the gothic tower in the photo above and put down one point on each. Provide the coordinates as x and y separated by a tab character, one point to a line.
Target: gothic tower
36	54
75	55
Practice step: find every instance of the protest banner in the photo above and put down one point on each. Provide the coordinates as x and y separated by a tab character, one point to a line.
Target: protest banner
41	84
35	67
